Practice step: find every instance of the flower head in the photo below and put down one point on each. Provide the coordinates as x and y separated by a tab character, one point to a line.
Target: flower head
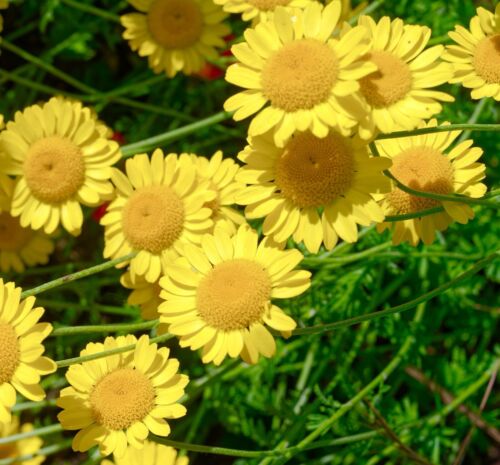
118	400
219	296
151	454
20	447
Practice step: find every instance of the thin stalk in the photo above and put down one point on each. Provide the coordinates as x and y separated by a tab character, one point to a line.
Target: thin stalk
311	261
29	405
92	10
128	327
478	109
43	431
443	128
49	450
411	216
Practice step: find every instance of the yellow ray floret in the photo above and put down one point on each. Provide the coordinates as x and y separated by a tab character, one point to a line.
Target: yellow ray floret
312	189
399	93
427	163
21	359
21	447
61	159
176	35
476	57
159	206
219	296
118	400
304	79
151	454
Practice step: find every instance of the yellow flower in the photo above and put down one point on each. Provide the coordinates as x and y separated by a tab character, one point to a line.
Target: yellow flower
21	447
159	206
219	296
60	159
21	360
118	400
151	454
313	189
221	175
309	80
399	94
6	190
144	294
476	58
258	10
426	163
175	35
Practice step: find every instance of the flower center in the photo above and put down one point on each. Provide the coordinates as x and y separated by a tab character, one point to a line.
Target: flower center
175	24
389	84
9	353
234	294
13	237
312	172
153	218
421	168
267	5
121	398
54	169
300	75
487	59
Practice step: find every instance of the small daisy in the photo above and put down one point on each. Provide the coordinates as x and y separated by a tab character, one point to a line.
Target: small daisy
118	400
159	206
314	190
61	160
308	80
21	447
151	454
476	58
219	296
426	163
21	360
176	35
400	92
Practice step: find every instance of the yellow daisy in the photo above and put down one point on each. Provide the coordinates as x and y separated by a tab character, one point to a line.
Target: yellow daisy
118	400
21	447
314	189
476	58
144	294
426	163
60	159
21	360
151	454
399	94
6	190
219	296
309	80
258	10
159	206
176	35
221	175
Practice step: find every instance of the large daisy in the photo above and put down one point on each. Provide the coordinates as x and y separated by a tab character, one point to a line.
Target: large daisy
118	400
21	359
21	447
61	160
400	92
308	80
427	163
176	35
476	58
312	189
219	296
159	206
151	454
221	174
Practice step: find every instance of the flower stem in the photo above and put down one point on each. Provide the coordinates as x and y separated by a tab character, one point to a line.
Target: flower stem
78	5
129	327
442	128
43	452
43	431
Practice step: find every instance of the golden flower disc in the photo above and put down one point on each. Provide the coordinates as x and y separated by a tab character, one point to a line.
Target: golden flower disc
300	75
233	295
390	83
312	172
122	398
424	169
54	169
9	353
13	236
175	24
153	218
267	5
487	59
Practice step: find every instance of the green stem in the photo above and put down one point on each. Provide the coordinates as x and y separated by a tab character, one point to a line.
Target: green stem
49	450
411	216
311	261
128	327
92	10
78	275
473	118
443	128
161	139
20	407
318	329
45	430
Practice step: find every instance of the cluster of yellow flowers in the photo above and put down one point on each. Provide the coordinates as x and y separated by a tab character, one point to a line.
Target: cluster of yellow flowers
320	90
